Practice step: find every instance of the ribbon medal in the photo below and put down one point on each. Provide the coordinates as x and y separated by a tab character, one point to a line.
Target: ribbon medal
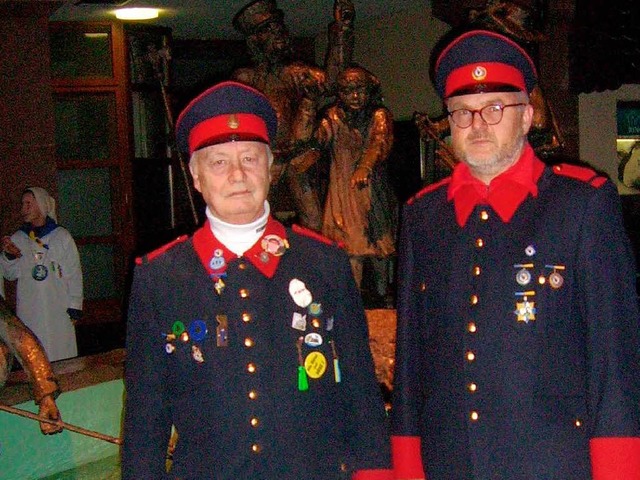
526	309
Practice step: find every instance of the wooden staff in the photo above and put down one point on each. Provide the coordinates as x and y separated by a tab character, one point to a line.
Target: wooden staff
158	59
67	426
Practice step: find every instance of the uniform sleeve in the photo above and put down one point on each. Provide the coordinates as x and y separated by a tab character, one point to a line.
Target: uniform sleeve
368	428
147	423
609	304
70	263
407	388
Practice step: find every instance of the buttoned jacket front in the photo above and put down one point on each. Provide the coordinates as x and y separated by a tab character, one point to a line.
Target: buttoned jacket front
517	342
234	396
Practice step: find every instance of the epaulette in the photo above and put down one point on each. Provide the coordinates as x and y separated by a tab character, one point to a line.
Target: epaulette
159	251
307	232
578	172
427	189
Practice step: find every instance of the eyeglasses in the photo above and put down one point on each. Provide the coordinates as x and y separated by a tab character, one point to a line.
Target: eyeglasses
491	114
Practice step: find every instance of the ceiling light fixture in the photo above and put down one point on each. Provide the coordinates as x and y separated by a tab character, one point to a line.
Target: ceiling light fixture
137	13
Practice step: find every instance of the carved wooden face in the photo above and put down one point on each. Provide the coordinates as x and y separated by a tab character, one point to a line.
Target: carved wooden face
354	89
272	39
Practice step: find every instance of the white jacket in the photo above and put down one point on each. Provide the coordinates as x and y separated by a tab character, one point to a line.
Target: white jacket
42	304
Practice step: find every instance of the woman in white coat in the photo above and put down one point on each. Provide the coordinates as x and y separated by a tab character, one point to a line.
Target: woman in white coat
43	258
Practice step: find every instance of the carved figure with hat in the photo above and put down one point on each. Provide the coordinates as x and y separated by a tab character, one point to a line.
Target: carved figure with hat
294	87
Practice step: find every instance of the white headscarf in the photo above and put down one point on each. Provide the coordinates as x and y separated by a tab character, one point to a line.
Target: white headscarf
45	202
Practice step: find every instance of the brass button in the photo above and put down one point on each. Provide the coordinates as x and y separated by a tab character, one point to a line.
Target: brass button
477	270
479	243
578	423
246	317
242	266
471	356
248	342
423	287
251	367
254	422
244	293
256	448
472	387
474	416
471	327
484	215
474	299
253	394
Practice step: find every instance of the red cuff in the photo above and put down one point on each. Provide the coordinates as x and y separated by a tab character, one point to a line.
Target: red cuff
616	458
407	457
373	475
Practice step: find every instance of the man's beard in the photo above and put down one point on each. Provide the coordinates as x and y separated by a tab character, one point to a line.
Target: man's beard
495	164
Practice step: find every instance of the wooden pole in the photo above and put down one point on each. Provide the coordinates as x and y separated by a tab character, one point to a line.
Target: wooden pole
67	426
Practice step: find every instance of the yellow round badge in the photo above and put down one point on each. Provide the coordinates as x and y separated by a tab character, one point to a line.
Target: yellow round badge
315	364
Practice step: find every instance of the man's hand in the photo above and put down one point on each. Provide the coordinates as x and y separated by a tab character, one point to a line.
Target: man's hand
10	248
49	409
360	177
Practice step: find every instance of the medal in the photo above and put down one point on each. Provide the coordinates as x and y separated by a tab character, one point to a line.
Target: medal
274	245
300	294
315	309
217	261
299	321
523	275
198	330
525	310
315	364
555	278
219	286
196	354
313	339
222	331
39	272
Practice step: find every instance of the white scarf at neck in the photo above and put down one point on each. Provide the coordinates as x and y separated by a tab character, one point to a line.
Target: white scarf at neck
239	238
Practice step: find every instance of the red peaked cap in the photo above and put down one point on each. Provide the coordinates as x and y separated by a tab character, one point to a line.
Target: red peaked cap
483	61
226	112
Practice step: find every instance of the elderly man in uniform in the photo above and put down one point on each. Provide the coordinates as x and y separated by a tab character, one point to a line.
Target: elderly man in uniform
249	338
518	329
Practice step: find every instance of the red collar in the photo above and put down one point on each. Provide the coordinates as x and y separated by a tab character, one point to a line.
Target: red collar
264	254
504	194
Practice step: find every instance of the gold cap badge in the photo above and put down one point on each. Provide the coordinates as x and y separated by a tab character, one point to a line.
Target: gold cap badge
233	122
479	73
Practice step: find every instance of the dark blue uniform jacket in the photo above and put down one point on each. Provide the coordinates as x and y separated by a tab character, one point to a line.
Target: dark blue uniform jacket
233	393
517	342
